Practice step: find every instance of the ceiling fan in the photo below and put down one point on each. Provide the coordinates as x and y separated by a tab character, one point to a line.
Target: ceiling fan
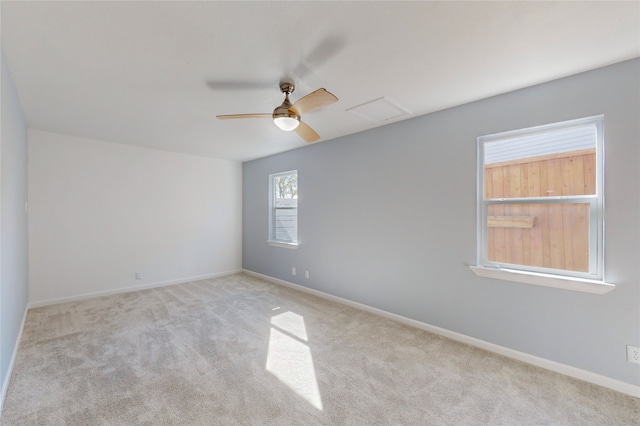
287	116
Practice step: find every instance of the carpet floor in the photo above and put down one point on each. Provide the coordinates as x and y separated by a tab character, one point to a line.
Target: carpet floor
239	350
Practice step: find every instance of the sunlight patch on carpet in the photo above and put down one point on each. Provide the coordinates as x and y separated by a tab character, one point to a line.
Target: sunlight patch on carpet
289	357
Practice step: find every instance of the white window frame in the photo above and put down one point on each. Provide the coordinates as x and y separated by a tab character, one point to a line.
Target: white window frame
272	238
591	281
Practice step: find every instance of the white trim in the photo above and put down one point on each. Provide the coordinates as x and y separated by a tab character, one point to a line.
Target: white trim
567	370
555	281
7	379
55	301
293	246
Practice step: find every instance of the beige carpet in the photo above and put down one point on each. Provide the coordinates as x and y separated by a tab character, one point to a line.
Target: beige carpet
241	351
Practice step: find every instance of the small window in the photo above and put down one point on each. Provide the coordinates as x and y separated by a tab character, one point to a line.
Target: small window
540	201
283	208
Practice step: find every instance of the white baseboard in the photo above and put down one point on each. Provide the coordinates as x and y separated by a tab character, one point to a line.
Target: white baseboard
567	370
55	301
7	379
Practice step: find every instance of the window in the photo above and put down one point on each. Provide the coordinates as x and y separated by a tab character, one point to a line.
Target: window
540	201
283	209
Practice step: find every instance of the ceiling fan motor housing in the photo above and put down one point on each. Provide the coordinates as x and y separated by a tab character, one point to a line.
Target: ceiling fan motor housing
283	116
285	110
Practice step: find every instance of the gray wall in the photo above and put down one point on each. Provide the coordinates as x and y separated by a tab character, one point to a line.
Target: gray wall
387	218
13	222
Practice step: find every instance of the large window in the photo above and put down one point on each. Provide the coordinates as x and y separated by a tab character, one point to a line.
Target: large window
283	208
540	201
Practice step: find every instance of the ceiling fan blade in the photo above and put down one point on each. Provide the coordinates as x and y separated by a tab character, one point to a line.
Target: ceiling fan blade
314	100
306	132
232	116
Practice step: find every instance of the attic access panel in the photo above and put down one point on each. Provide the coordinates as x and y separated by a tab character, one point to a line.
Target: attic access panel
378	110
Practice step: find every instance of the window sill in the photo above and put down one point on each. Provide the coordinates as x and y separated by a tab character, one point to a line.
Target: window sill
293	246
566	283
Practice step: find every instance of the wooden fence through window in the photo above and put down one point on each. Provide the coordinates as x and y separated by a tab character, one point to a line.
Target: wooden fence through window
545	235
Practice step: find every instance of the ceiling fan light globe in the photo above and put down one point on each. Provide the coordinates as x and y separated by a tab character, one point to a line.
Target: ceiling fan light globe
286	123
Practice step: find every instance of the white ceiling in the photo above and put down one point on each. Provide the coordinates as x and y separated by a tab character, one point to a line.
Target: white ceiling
155	74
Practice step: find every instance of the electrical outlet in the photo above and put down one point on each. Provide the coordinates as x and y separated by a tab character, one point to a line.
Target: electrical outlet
293	270
137	275
633	354
306	274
